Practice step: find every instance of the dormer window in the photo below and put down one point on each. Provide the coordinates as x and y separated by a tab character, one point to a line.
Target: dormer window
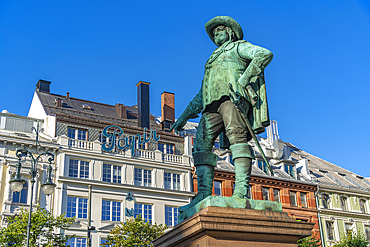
86	106
290	170
263	166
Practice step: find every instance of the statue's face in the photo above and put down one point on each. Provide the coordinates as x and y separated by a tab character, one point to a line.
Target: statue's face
221	35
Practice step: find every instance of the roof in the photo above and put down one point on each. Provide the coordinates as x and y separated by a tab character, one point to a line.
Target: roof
89	110
328	174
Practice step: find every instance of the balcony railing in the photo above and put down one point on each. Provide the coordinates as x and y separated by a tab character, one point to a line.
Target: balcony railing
95	146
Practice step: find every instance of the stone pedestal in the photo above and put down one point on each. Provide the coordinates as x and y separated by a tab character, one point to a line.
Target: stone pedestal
219	226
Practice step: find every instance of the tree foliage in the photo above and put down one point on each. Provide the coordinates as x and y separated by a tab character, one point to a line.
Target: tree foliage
352	240
310	241
135	232
42	234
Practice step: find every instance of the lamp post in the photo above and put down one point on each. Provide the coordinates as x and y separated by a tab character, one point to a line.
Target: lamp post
16	184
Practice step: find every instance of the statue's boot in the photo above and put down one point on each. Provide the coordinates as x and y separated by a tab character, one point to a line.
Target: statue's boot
205	176
243	167
242	155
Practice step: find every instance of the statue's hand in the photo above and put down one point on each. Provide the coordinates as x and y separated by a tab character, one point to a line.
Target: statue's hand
179	125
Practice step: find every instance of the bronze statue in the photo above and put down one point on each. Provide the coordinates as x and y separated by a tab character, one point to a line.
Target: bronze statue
232	95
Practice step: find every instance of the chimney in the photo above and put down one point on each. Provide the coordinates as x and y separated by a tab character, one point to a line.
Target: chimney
143	104
67	95
121	110
272	132
43	86
167	110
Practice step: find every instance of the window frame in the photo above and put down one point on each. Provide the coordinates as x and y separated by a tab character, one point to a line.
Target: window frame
142	177
262	166
166	148
327	202
344	206
331	229
172	181
214	187
265	189
305	199
80	201
143	211
75	239
79	169
23	194
118	213
295	198
278	193
363	206
111	179
174	211
290	171
76	134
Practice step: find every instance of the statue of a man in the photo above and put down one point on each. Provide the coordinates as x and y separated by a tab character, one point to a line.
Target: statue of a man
238	64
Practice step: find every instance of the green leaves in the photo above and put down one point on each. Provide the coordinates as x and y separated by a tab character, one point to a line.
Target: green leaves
43	228
135	232
352	240
310	241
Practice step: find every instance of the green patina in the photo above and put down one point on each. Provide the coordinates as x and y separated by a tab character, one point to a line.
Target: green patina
230	202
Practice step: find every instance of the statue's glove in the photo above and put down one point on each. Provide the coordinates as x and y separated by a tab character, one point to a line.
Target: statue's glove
181	121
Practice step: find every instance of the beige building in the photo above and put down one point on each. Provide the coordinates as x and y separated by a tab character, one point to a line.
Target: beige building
152	178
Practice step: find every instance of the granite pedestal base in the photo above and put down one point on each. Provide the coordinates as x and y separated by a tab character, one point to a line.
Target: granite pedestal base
218	226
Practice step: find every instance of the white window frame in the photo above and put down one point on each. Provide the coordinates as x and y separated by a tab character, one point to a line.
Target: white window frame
142	177
347	209
76	133
290	198
111	173
328	201
111	210
143	216
172	187
77	207
300	195
79	168
172	215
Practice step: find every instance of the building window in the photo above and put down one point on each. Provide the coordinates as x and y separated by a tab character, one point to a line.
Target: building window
21	196
111	210
144	210
325	200
293	199
218	188
289	170
76	242
78	169
171	214
112	173
77	134
304	200
363	206
348	229
171	181
367	231
265	194
276	195
166	148
263	166
143	177
76	207
103	241
343	203
330	230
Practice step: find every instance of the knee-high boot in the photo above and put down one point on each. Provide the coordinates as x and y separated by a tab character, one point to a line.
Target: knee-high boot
205	163
243	170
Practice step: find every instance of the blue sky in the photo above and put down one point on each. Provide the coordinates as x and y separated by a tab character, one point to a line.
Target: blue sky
317	83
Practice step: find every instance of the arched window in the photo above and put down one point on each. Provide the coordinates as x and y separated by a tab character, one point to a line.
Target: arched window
325	200
21	197
363	206
343	203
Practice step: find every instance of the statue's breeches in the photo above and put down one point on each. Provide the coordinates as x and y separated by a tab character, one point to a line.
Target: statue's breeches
212	123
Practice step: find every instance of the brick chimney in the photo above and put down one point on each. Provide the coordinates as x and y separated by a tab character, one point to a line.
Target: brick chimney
121	110
43	86
143	104
167	110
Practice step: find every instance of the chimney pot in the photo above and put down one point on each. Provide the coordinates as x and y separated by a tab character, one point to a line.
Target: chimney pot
67	95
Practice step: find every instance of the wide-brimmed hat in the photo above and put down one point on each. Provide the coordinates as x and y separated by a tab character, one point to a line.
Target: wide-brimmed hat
226	21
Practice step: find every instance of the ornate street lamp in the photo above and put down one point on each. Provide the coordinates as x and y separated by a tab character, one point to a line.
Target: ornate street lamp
16	184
